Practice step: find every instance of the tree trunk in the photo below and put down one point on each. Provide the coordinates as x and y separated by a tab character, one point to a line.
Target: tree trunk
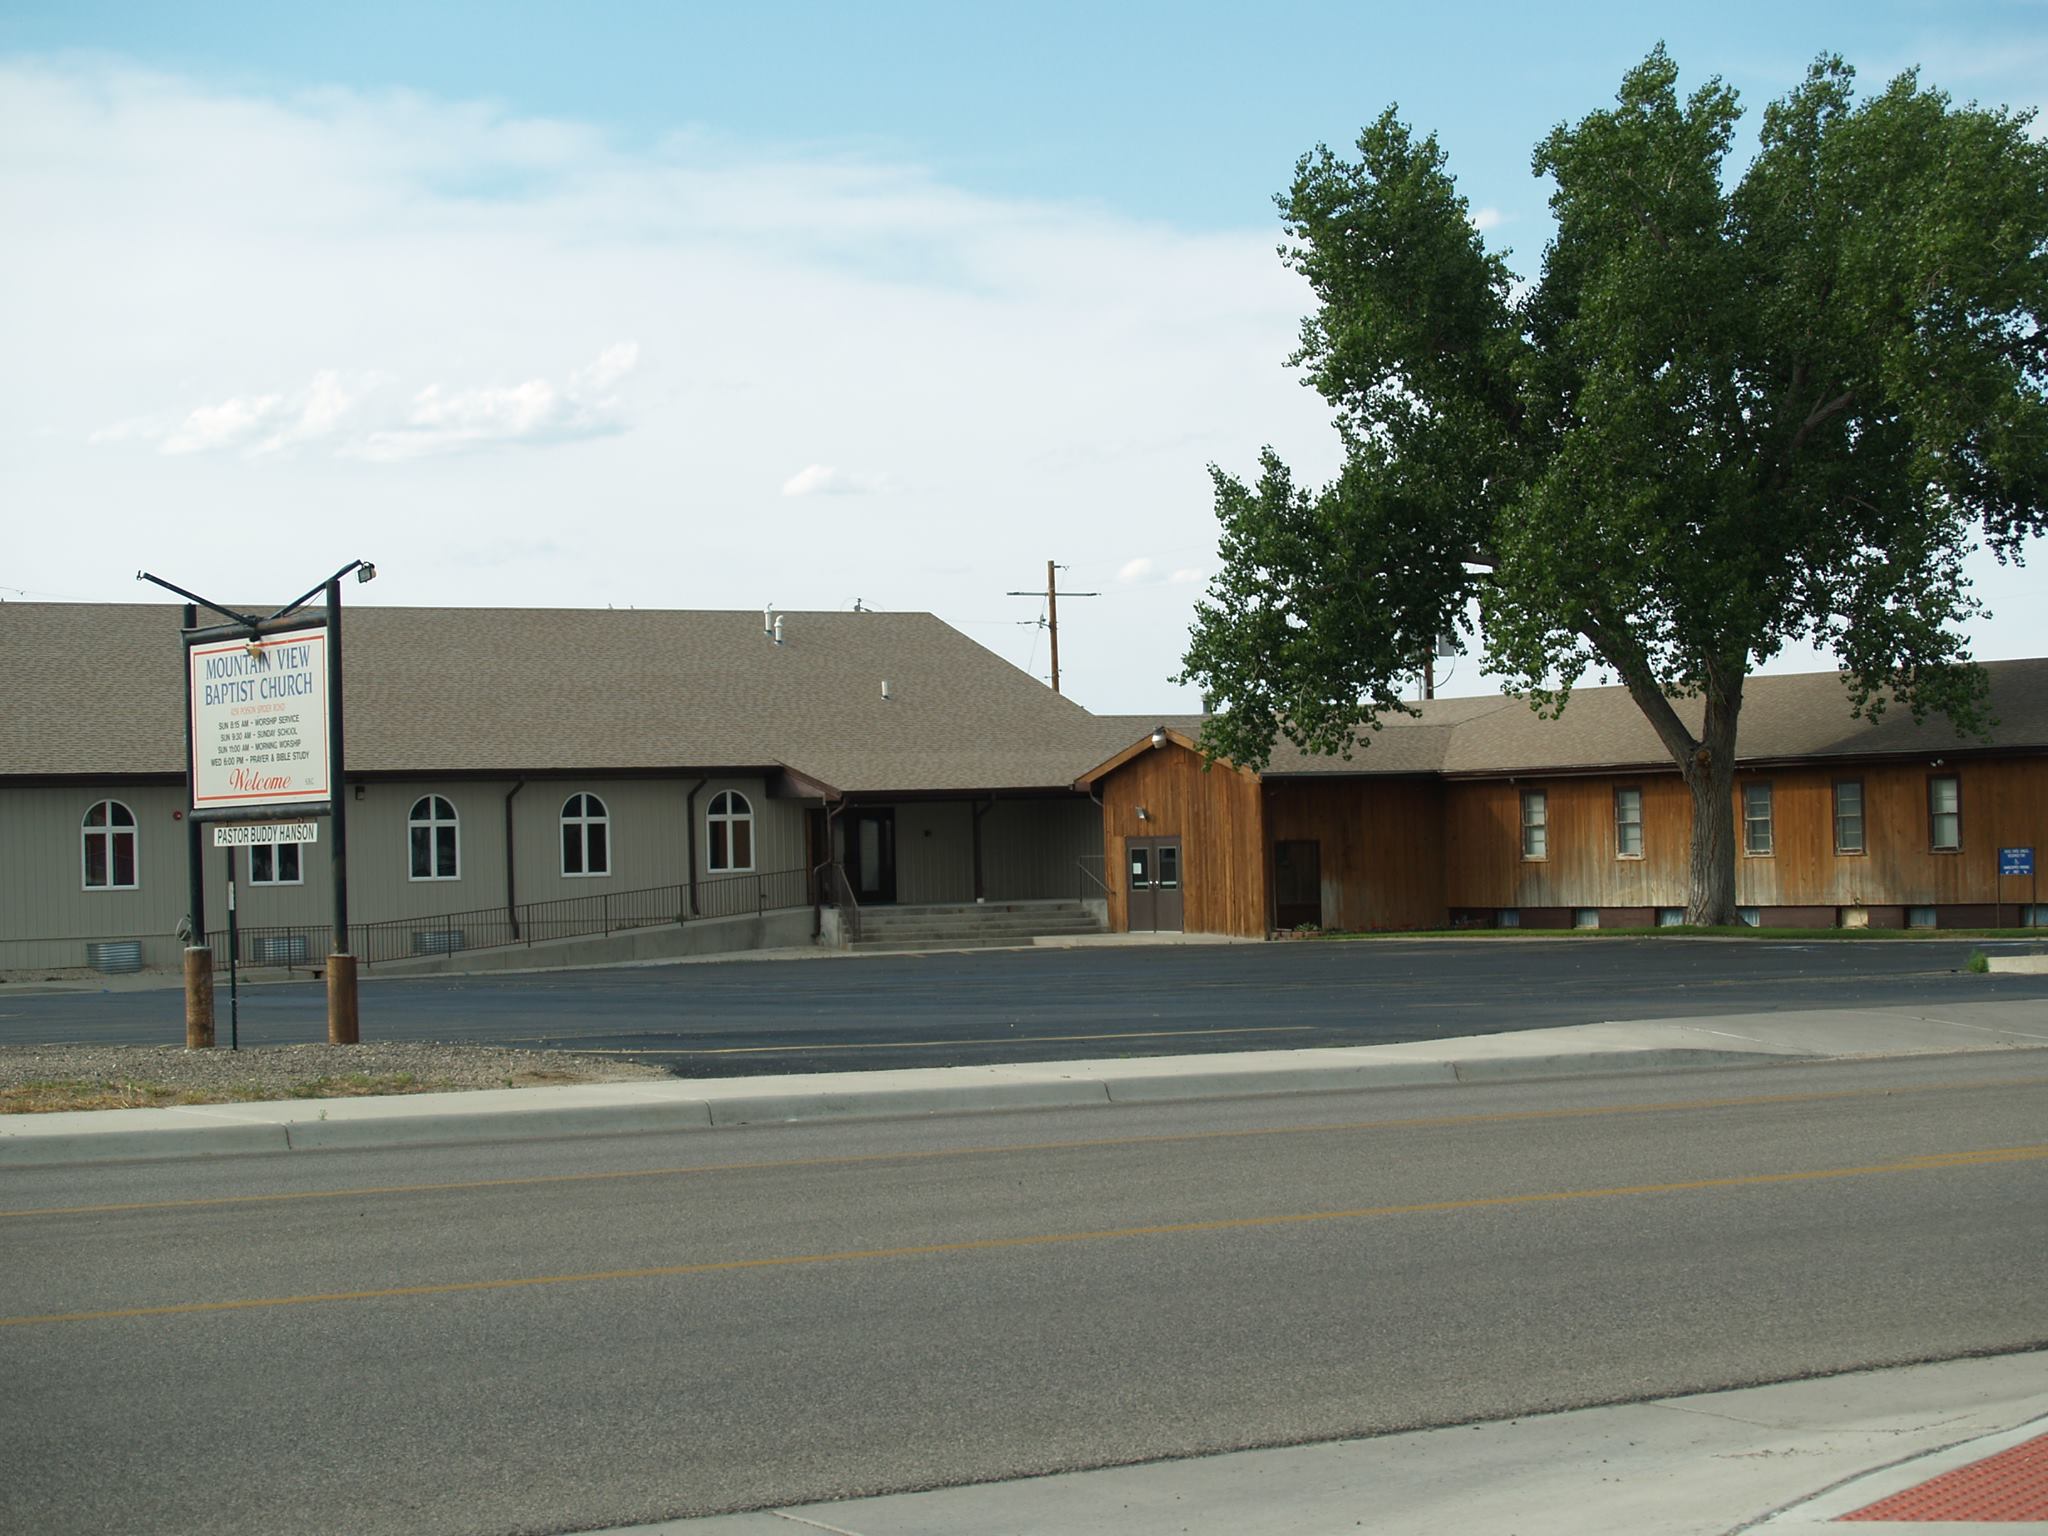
1710	775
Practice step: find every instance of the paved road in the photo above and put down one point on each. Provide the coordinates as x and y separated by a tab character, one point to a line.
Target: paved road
836	1014
557	1335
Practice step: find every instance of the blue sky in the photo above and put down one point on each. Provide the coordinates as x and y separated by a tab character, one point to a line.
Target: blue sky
695	306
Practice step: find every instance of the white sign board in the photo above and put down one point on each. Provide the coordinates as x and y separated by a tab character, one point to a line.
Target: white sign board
259	721
252	834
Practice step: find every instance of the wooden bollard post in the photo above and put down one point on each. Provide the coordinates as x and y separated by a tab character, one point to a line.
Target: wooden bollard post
198	998
343	1027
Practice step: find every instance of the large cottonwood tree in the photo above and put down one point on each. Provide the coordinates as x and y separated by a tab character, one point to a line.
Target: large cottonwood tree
1731	413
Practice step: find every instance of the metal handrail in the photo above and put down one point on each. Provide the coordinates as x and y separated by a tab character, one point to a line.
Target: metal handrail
847	903
1082	864
297	946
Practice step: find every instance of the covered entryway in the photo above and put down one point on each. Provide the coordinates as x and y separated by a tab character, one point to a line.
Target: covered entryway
1153	885
871	854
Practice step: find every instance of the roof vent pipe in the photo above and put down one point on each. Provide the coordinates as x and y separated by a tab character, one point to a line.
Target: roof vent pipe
885	688
777	630
768	619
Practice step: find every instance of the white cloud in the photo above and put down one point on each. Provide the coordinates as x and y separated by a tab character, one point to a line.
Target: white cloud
829	480
1132	572
438	419
1484	219
357	305
1186	576
227	425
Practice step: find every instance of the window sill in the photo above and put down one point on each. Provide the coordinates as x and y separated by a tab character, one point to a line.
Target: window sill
432	879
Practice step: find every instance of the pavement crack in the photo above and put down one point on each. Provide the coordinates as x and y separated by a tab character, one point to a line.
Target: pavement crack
816	1525
1704	1413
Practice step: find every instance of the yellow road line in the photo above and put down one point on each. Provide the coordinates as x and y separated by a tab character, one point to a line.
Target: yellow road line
1092	1143
1931	1162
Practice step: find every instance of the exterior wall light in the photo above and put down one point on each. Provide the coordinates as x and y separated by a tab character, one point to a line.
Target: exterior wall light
1159	736
1143	814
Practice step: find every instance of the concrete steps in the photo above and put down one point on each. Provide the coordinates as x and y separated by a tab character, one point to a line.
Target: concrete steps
970	925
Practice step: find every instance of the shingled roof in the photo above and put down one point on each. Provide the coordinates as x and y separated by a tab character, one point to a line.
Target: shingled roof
1800	717
95	689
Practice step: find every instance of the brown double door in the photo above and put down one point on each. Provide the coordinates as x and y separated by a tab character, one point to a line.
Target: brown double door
1152	885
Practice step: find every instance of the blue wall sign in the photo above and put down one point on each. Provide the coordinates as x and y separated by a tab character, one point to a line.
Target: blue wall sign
2015	861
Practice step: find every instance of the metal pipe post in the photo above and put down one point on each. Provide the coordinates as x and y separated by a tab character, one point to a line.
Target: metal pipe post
234	956
344	1026
198	978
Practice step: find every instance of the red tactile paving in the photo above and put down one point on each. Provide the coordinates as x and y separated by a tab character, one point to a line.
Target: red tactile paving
2013	1485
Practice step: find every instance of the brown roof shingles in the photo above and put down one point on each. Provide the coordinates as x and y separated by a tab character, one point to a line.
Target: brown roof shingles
95	689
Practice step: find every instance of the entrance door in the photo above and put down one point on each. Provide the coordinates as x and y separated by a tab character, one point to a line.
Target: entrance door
1153	885
871	855
1298	885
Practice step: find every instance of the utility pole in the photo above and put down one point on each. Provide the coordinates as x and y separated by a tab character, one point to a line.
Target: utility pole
1052	613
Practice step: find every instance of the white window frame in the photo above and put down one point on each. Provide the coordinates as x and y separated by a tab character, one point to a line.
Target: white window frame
1842	849
105	835
576	821
1622	823
1537	848
1768	821
729	809
276	851
1936	815
431	824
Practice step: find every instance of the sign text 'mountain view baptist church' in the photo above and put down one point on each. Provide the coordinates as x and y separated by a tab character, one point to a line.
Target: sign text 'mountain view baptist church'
259	722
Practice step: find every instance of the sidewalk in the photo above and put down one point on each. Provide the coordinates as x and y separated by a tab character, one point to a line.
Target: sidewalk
616	1108
1795	1459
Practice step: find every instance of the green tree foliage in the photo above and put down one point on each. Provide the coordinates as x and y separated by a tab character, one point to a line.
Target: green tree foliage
1722	420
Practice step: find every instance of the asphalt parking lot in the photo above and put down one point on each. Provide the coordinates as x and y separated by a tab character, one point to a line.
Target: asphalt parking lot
839	1013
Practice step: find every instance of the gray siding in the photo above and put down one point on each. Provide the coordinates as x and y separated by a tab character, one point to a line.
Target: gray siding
934	852
1030	849
46	915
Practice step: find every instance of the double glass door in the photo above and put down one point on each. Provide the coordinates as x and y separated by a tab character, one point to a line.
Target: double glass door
1152	885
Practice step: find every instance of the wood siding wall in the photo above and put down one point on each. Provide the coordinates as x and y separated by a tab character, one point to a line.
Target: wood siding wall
1381	847
2004	804
1219	816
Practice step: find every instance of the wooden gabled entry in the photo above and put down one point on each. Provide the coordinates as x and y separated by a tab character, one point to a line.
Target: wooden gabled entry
1153	888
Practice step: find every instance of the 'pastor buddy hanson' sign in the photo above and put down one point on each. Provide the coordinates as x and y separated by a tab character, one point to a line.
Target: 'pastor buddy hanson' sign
259	721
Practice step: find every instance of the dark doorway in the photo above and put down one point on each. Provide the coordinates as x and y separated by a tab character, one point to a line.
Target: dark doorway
1153	885
871	855
1298	885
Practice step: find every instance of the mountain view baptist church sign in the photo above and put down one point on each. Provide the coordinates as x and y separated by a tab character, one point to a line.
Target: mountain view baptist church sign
259	723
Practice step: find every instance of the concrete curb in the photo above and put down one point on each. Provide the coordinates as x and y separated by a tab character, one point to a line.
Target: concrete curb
422	1120
617	1109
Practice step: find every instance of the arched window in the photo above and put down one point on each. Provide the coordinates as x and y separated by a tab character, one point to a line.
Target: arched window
730	822
431	828
586	837
107	847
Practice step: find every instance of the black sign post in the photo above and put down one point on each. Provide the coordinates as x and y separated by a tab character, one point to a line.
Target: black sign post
343	1025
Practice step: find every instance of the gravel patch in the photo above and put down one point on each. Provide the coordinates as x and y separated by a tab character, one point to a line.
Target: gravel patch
283	1071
